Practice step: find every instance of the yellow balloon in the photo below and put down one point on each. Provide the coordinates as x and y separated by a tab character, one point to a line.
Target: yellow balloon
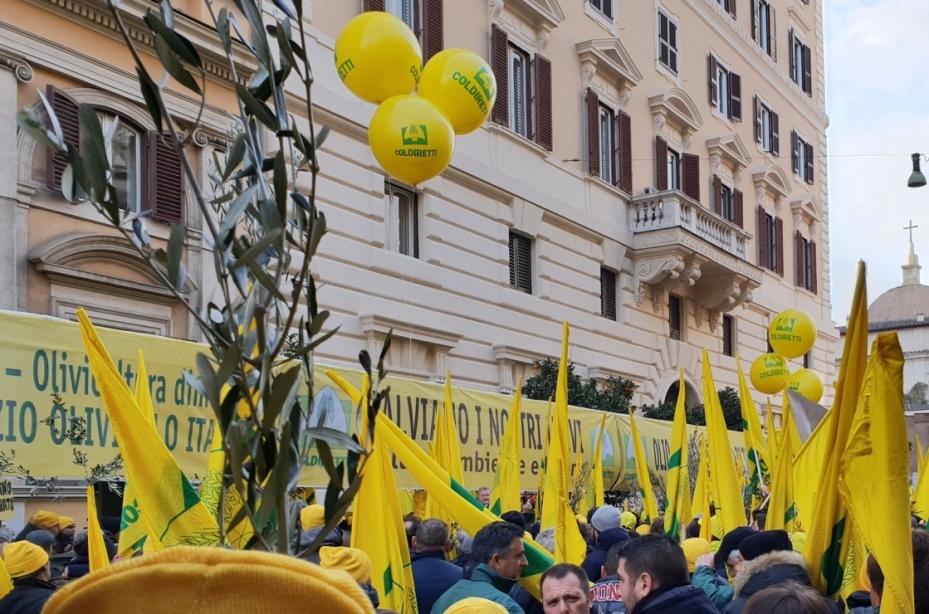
462	84
792	333
808	383
378	56
411	138
769	373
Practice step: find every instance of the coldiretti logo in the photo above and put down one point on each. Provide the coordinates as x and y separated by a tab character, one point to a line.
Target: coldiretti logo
483	79
773	362
415	134
785	325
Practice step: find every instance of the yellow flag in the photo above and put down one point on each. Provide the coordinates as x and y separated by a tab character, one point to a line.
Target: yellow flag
724	482
677	512
378	526
789	425
96	547
754	443
771	441
873	482
446	450
211	490
171	505
702	497
649	503
504	496
546	438
595	487
782	508
919	452
828	536
921	494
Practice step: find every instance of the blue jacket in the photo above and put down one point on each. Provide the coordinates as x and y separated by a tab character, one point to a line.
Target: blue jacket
432	576
718	590
676	600
597	556
605	596
485	583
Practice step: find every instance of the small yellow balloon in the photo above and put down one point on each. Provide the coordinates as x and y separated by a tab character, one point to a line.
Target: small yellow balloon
378	56
808	383
769	373
792	333
411	138
462	84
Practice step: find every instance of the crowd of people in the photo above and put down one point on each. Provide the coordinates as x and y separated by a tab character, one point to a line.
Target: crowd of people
631	567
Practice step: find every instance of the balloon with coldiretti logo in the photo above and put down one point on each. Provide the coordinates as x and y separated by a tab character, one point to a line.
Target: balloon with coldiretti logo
792	333
411	138
769	373
460	83
808	383
378	56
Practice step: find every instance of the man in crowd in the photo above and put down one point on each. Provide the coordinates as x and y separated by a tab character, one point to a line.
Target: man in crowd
565	590
355	563
605	593
432	573
27	565
40	520
920	572
654	579
67	527
497	557
607	533
312	522
483	495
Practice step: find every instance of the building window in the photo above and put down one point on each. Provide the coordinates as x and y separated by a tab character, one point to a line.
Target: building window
520	92
402	220
726	205
763	27
770	235
407	10
801	64
608	294
802	157
727	202
123	151
674	170
520	262
728	335
808	360
806	262
608	145
725	90
524	98
667	41
604	7
767	126
729	5
425	18
674	316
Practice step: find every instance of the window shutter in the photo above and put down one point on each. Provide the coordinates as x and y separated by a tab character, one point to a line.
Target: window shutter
792	60
813	269
499	46
514	260
717	195
433	28
727	335
807	71
735	97
795	152
625	153
661	164
165	180
772	32
373	5
608	294
809	163
524	264
543	100
737	202
66	111
690	170
756	109
732	10
755	8
593	132
779	235
798	256
674	316
714	86
775	135
761	231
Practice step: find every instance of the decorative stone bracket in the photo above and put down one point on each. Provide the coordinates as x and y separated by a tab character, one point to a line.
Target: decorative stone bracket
721	295
664	274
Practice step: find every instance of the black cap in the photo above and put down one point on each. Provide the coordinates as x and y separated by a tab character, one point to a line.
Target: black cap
732	541
764	542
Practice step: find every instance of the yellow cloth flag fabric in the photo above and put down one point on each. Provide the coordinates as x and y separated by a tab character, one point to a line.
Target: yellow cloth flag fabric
724	482
677	512
921	494
377	527
96	547
828	537
789	425
594	496
211	490
446	450
546	439
782	508
919	453
172	507
504	496
807	465
772	443
702	497
649	503
758	462
873	482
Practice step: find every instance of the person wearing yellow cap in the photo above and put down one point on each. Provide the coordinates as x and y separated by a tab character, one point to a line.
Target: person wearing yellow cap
475	605
312	522
694	548
355	563
28	567
40	520
628	521
66	528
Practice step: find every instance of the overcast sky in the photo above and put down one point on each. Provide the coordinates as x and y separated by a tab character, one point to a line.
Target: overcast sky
877	80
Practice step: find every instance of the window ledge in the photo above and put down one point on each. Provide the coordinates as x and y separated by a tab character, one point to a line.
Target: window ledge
597	180
607	24
518	138
727	121
667	73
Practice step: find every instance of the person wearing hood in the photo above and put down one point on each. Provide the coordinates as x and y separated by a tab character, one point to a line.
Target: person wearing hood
28	567
40	520
498	556
432	573
606	523
653	579
355	563
767	558
312	521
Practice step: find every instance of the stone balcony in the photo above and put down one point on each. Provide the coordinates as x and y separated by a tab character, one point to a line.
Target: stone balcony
679	244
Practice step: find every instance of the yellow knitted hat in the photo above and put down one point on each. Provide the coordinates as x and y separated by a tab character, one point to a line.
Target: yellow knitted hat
475	605
6	582
694	548
351	560
201	580
627	521
23	558
46	520
66	521
312	516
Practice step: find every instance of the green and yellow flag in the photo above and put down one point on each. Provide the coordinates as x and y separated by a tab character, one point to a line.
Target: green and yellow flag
504	496
170	504
724	482
211	490
446	451
782	507
649	503
702	496
677	513
921	494
874	480
594	496
754	443
96	547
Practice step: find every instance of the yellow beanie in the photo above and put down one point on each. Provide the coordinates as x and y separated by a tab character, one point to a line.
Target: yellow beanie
312	516
694	548
642	529
351	560
475	605
581	518
46	520
627	521
202	580
6	582
65	521
23	558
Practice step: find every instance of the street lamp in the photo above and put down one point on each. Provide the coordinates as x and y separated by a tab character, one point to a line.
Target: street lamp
917	179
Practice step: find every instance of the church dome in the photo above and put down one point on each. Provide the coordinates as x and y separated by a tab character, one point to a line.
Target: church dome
901	303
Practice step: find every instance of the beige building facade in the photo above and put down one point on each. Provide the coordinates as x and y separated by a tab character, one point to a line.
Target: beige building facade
652	173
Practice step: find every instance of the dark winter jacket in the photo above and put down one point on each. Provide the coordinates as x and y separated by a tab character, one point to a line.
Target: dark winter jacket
597	556
371	592
485	583
605	596
334	538
768	570
432	576
676	600
462	560
27	597
526	601
78	567
717	589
